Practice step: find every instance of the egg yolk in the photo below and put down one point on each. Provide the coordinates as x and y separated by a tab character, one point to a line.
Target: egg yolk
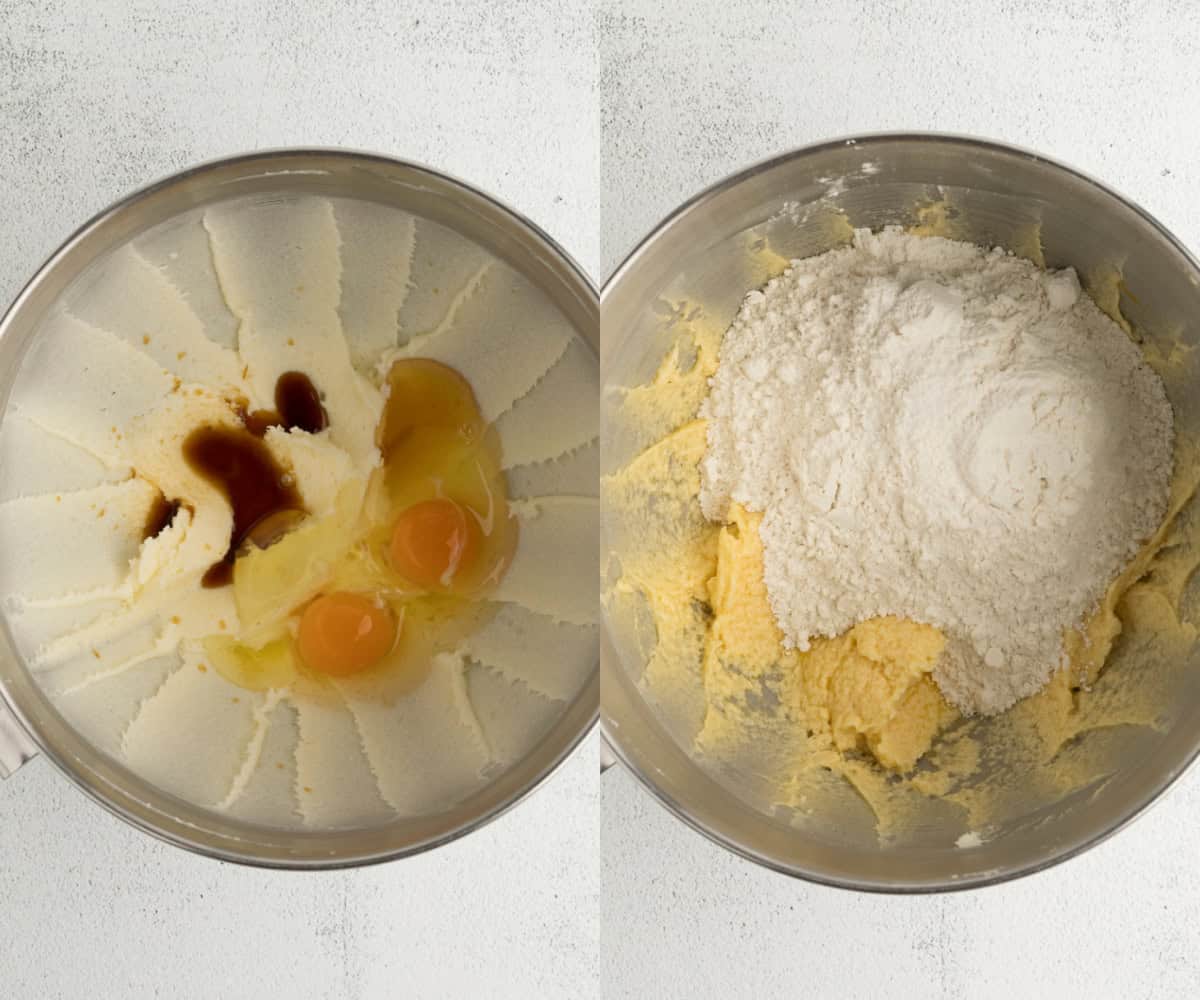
433	541
342	634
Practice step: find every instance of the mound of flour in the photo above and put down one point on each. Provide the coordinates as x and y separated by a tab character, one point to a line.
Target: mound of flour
942	433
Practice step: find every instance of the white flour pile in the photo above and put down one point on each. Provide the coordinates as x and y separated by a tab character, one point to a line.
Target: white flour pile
942	433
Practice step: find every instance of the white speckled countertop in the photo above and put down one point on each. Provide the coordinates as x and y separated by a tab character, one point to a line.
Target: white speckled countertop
96	99
690	96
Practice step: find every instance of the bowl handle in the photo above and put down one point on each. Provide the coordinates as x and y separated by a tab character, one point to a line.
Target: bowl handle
607	757
16	746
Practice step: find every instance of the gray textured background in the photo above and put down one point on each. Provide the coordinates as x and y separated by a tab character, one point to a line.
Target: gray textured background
698	89
98	98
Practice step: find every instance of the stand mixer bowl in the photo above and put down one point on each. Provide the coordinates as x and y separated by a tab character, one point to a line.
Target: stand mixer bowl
1000	196
30	723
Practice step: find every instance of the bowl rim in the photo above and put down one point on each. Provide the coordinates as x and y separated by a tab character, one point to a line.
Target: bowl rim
177	838
610	733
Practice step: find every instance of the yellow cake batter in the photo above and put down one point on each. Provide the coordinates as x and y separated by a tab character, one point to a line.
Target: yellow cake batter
861	710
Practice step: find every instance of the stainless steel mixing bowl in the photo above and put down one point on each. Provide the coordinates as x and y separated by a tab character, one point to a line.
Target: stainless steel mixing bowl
29	723
704	252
